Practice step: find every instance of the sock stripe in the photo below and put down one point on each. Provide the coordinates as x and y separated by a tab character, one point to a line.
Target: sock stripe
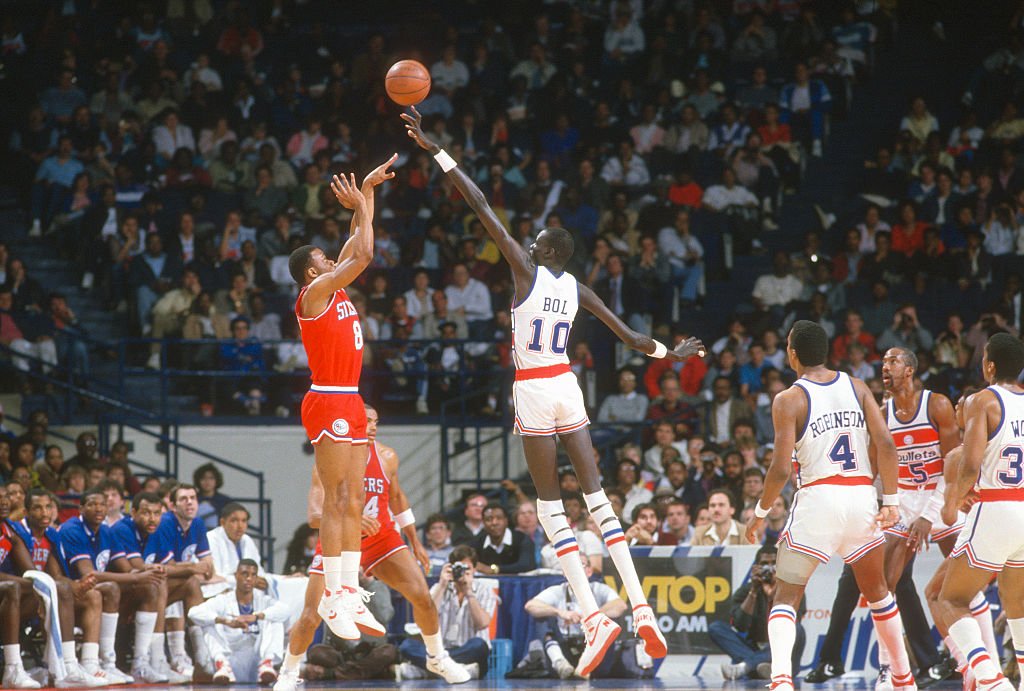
885	617
566	541
614	540
612	532
883	608
980	609
568	550
782	615
610	519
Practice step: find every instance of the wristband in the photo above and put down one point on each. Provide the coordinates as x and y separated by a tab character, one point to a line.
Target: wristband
759	512
445	161
659	350
405	518
890	500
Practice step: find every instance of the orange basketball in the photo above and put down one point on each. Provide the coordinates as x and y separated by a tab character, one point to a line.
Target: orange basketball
407	82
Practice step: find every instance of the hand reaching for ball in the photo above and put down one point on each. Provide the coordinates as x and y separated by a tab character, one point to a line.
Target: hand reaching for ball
687	349
413	128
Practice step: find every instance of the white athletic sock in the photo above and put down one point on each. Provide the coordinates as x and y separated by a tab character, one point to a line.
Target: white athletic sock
967	635
67	649
433	643
195	634
332	574
889	628
157	654
1016	629
291	663
176	644
349	571
958	655
981	613
883	654
556	526
554	651
144	624
615	541
108	632
90	654
12	654
782	638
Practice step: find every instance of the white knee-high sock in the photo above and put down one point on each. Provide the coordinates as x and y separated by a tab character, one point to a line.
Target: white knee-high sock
1016	629
348	574
967	635
67	649
982	614
12	655
889	627
551	515
176	644
291	662
144	624
782	638
332	574
108	634
157	650
433	644
615	541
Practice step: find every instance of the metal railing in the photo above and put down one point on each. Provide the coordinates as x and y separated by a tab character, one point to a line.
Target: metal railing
459	424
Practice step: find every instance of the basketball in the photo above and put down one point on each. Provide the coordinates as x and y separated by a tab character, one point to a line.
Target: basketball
407	82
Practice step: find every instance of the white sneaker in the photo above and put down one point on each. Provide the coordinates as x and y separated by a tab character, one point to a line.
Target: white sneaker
474	670
783	682
266	674
87	280
645	626
40	675
332	610
224	673
287	680
407	671
180	668
15	677
34	232
905	683
421	406
353	601
77	677
816	148
563	668
737	671
154	361
1000	683
116	676
447	668
884	680
769	223
147	674
601	633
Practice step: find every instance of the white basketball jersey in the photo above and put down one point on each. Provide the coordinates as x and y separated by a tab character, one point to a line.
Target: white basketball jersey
1002	466
541	321
834	440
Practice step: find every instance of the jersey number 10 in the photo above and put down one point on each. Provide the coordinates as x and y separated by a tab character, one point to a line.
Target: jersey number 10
559	337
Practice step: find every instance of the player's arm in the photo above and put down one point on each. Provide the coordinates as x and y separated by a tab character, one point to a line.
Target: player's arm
315	501
942	415
84	567
513	252
787	408
885	458
637	341
372	179
979	410
358	250
20	555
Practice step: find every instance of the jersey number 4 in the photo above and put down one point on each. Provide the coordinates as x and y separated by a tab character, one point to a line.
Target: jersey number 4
842	453
559	337
1012	476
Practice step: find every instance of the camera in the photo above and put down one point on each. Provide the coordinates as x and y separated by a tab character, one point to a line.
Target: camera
458	570
767	572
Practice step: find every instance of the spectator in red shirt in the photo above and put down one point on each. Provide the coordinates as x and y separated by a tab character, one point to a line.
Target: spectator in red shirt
854	334
670	406
691	372
908	234
684	191
240	33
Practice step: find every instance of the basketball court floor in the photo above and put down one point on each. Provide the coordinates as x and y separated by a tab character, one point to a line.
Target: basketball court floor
676	684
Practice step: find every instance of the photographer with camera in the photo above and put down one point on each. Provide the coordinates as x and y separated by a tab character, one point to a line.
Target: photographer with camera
745	638
465	606
906	332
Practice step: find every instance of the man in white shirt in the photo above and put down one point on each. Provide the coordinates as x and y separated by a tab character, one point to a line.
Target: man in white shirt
448	73
471	299
684	253
627	168
243	629
728	194
559	621
625	406
772	292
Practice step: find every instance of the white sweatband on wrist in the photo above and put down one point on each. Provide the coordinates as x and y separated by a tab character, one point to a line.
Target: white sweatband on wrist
446	162
759	512
659	350
405	518
890	500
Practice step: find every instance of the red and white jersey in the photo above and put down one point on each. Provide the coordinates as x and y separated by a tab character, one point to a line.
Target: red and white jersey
378	489
1002	466
333	341
917	445
833	444
7	538
541	321
41	549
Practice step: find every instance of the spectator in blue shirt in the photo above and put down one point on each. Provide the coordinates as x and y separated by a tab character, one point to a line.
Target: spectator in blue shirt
750	373
53	184
805	103
87	549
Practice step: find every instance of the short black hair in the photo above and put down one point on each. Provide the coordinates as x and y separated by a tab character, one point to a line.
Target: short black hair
461	552
299	261
151	497
1006	352
495	506
562	243
231	508
251	563
766	548
810	342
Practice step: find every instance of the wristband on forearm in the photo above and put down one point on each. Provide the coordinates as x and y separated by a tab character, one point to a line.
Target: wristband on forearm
445	161
660	350
759	512
890	500
405	518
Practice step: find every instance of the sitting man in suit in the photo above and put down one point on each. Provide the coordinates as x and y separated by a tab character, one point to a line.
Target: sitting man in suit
500	549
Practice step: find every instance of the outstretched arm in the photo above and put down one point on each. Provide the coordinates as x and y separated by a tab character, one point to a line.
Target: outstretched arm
886	460
513	252
357	252
373	178
633	339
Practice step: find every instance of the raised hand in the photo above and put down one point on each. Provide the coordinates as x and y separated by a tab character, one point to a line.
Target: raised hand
415	131
346	191
380	173
688	348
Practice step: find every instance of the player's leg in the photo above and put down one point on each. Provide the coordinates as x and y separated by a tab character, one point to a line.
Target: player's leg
341	466
869	572
792	571
142	599
14	676
301	635
401	572
88	610
961	585
1011	593
74	673
830	656
915	622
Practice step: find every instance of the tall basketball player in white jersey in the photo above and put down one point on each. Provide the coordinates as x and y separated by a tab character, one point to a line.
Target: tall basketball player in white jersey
829	429
549	403
992	540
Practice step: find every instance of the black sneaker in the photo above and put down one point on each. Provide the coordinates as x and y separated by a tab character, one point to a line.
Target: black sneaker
823	672
945	669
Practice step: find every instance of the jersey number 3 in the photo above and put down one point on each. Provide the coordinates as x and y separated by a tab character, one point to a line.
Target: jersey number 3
1012	476
559	336
843	454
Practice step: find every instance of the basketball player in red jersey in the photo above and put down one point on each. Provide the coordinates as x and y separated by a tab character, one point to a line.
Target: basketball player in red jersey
384	554
332	411
549	404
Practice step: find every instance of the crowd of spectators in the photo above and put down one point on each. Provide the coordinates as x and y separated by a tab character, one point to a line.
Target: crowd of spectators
179	153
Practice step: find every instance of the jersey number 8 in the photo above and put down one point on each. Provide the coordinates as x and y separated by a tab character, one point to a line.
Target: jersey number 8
559	336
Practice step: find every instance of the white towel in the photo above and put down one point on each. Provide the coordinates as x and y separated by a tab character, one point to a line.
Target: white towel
45	587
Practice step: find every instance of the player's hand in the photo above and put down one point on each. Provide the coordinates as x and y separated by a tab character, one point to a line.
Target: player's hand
156	578
950	509
687	349
247	619
380	173
159	568
236	623
261	583
420	553
415	132
753	532
887	517
918	537
569	616
369	525
347	193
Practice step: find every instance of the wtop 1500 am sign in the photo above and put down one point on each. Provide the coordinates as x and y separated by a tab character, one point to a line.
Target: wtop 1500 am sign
688	588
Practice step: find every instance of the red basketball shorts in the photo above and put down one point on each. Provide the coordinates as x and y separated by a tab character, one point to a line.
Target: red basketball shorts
375	549
336	415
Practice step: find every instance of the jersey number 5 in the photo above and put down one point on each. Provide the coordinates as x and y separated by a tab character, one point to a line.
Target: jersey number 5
559	336
1012	476
842	453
